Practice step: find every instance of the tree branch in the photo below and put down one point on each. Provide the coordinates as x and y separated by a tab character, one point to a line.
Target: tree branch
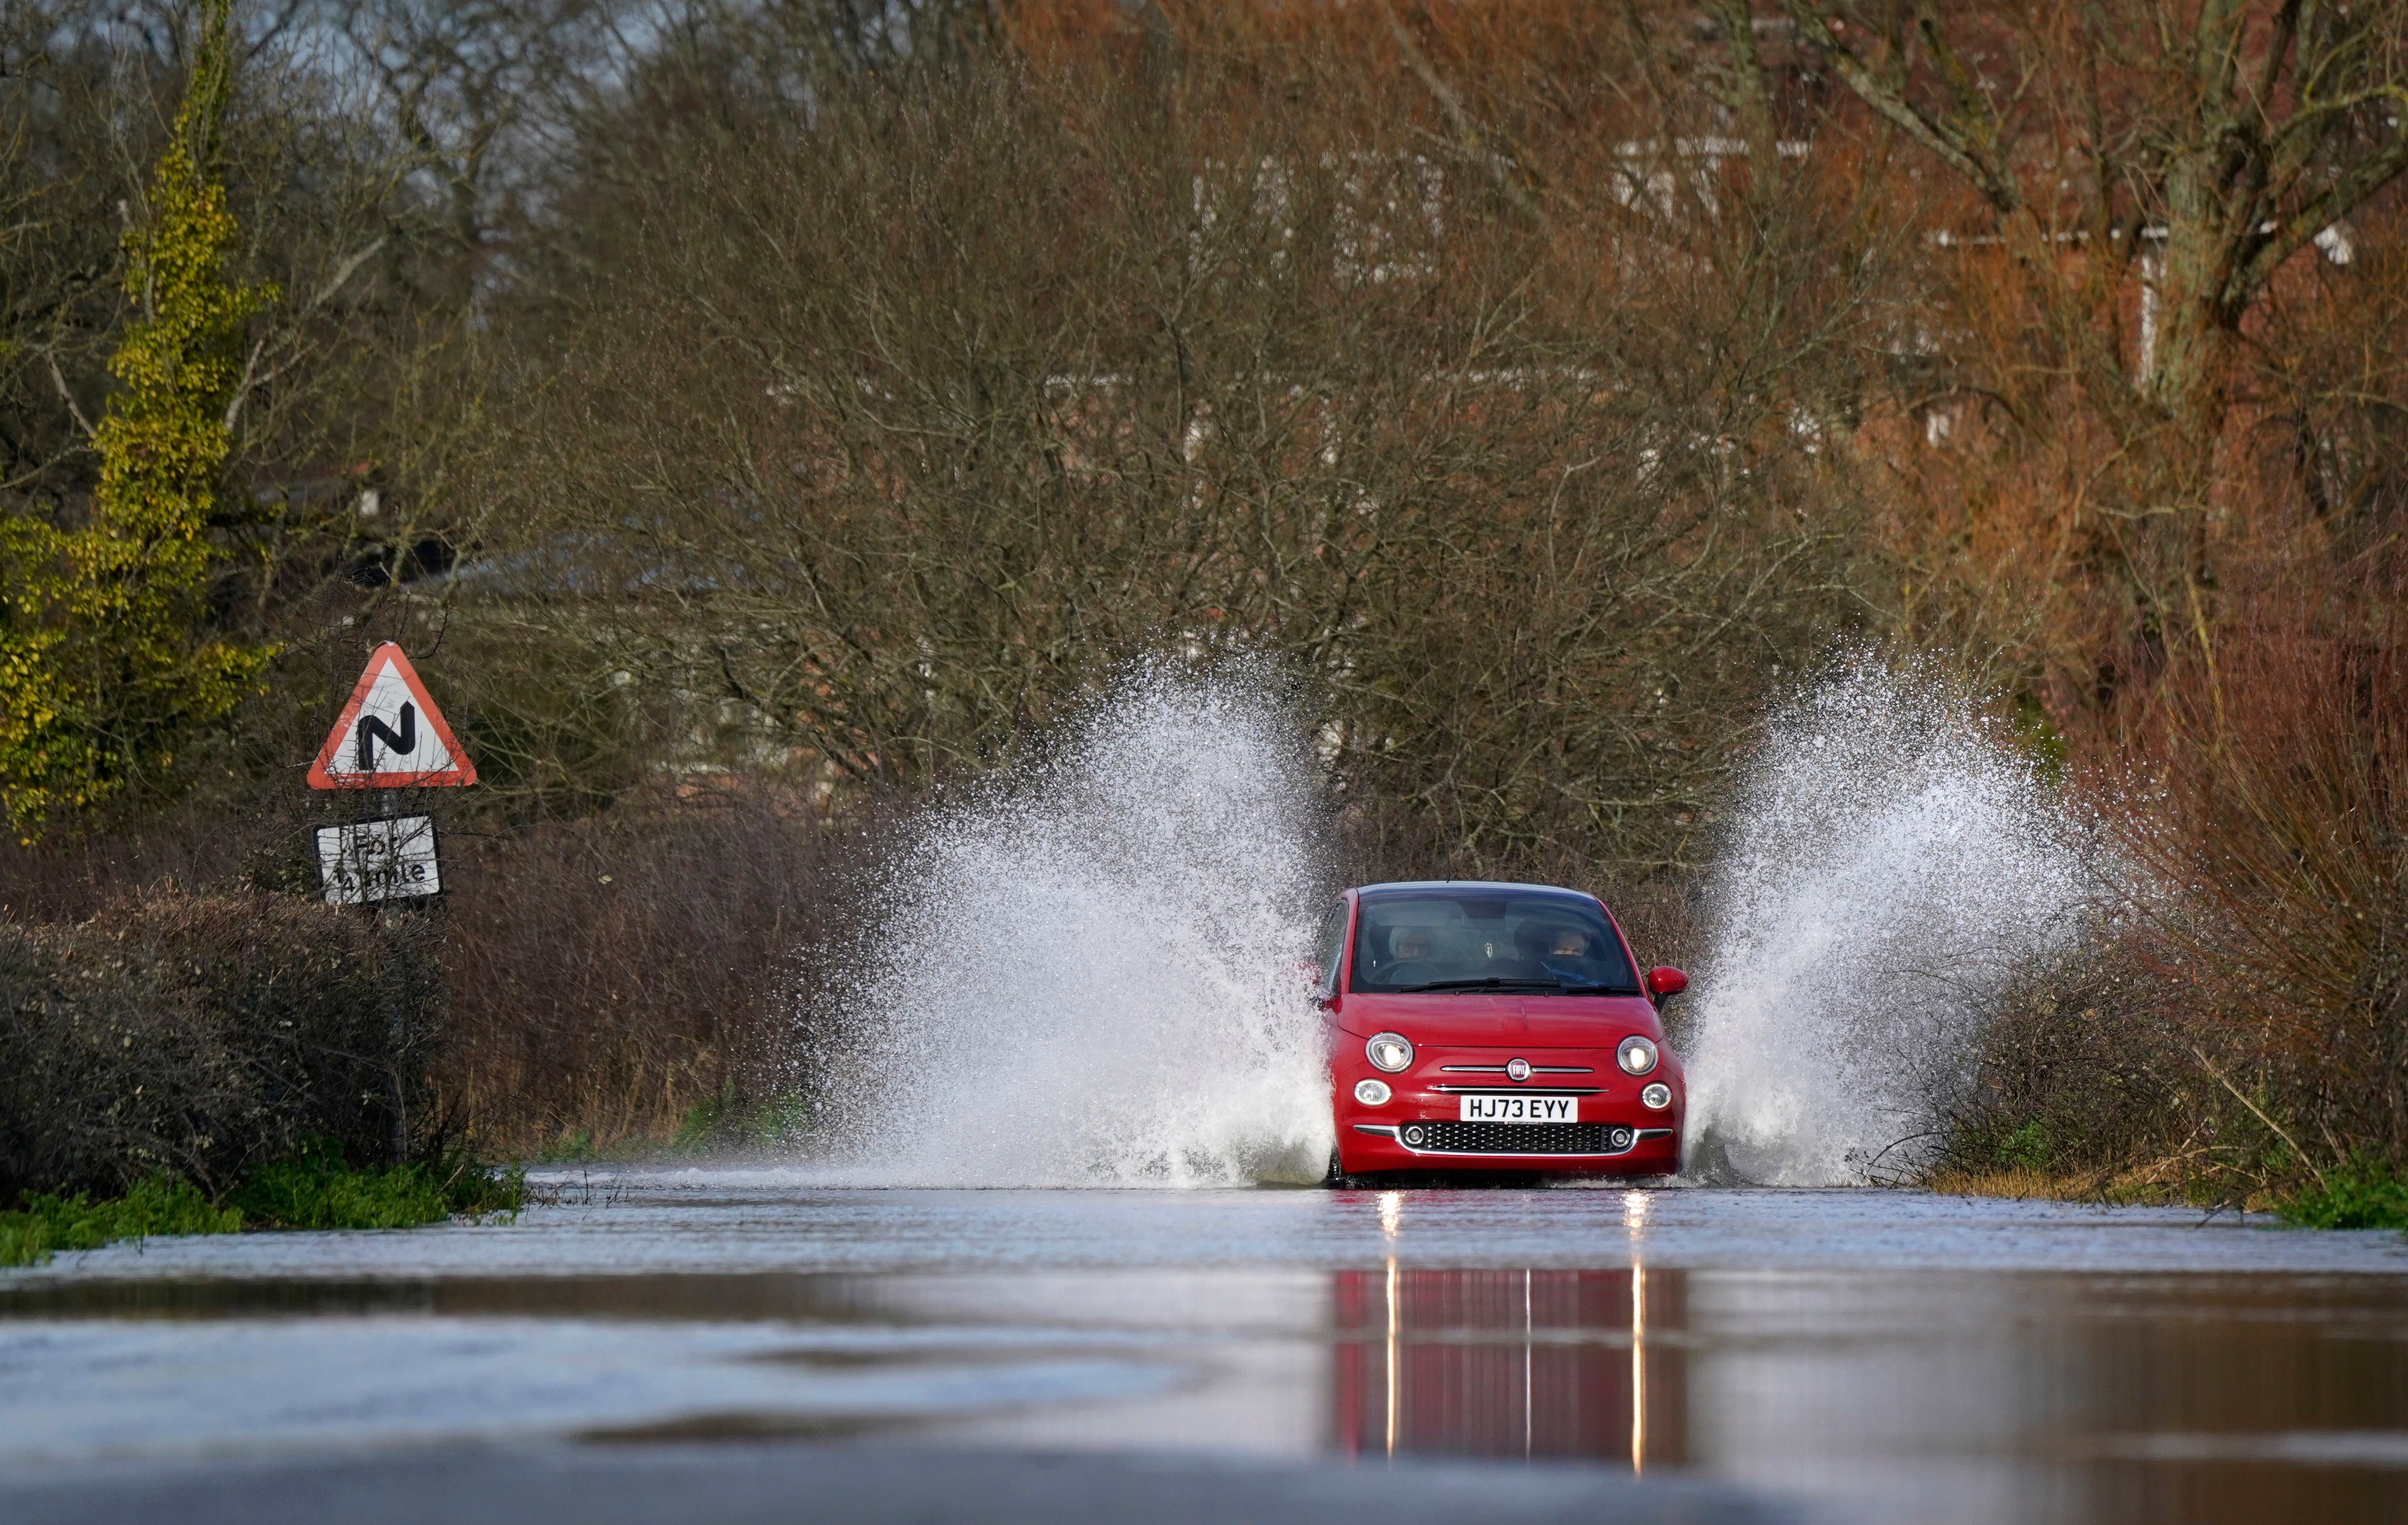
1737	17
2343	197
2216	59
251	374
344	272
50	355
1513	177
2278	46
1947	139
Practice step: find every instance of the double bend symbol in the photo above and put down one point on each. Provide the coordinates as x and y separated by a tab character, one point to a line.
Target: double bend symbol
403	742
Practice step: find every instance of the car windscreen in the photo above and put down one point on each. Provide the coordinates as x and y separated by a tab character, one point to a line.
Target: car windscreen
1476	940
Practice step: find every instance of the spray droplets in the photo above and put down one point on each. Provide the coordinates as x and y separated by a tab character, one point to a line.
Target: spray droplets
1894	865
1089	974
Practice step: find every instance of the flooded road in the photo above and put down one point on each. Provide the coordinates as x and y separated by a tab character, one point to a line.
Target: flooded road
1841	1354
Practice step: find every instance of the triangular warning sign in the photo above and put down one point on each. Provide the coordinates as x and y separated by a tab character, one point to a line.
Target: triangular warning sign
391	735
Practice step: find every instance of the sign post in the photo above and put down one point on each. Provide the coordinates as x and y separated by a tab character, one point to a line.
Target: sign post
390	736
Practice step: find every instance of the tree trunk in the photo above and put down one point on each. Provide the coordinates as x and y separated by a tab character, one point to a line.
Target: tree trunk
2184	389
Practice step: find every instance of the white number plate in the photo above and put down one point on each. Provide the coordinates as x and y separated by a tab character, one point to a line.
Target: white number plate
1520	1109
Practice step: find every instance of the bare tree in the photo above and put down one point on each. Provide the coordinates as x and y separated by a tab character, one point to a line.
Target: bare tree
2189	147
876	433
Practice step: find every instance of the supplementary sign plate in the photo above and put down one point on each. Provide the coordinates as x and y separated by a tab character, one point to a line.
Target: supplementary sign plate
379	860
390	735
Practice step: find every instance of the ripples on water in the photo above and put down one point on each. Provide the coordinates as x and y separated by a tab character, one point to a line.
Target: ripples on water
1875	1356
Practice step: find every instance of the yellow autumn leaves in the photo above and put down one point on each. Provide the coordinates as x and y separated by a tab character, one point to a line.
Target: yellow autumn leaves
106	662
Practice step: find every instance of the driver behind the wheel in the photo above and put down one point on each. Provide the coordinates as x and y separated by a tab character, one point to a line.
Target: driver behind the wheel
1409	951
1566	957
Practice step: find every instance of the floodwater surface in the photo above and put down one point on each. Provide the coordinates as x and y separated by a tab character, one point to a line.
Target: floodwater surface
1848	1355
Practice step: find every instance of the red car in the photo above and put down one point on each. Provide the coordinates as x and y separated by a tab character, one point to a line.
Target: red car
1493	1029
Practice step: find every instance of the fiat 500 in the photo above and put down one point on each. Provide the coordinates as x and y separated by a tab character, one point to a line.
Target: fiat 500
1493	1029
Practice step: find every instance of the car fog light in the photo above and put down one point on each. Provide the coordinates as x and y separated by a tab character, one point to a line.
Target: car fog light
1390	1051
1636	1054
1658	1096
1414	1135
1620	1138
1375	1093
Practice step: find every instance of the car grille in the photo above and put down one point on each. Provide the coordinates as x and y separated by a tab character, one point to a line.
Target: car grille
1519	1137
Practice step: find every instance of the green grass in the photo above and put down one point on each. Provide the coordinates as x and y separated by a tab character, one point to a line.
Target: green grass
158	1204
570	1149
319	1189
2366	1193
314	1190
722	1123
714	1124
2031	1147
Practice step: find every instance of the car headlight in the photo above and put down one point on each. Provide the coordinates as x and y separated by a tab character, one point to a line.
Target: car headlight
1389	1051
1636	1055
1658	1096
1371	1093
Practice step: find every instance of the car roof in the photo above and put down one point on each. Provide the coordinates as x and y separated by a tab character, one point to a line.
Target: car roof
1397	886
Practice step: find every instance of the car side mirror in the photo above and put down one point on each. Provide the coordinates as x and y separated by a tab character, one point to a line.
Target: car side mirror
1663	983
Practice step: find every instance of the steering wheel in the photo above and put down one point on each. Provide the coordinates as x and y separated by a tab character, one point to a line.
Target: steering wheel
1411	972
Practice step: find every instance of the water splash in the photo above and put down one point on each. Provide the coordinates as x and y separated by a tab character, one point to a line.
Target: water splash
1895	863
1087	973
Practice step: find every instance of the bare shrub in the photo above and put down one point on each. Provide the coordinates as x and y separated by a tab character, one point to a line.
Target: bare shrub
206	1034
2245	1028
2283	827
612	974
597	979
2082	1078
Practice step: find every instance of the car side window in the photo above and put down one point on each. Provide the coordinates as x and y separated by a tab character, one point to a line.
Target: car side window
1330	946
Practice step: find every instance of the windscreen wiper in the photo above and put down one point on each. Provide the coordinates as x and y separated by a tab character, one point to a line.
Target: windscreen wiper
1491	983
